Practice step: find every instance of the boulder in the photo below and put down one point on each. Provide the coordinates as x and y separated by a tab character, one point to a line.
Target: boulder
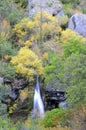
78	23
53	7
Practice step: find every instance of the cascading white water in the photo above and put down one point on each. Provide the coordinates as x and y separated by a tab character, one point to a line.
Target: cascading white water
38	109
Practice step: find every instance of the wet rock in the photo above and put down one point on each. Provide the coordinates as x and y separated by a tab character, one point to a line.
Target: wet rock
78	23
14	92
53	98
17	108
8	81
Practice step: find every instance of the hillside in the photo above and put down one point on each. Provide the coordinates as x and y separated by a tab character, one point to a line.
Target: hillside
45	39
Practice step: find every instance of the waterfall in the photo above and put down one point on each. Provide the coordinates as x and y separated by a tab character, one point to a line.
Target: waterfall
38	109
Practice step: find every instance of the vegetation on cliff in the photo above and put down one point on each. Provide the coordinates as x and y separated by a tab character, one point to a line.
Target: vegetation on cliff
45	46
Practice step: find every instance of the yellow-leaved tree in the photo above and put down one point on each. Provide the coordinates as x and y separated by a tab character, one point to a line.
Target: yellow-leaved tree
30	30
27	63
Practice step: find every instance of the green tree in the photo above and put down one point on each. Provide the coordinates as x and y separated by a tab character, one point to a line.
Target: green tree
54	117
53	70
74	45
7	70
6	49
75	77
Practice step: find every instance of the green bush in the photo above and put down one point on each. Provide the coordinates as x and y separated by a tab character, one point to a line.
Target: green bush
74	46
7	49
4	89
84	11
7	124
70	1
69	5
23	3
9	10
75	69
67	9
54	117
7	70
76	94
75	77
53	69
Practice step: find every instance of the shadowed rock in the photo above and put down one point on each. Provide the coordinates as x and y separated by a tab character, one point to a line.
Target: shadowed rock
53	98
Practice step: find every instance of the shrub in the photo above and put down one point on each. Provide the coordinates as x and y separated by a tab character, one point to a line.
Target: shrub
74	46
54	117
75	76
58	128
74	69
36	29
7	124
22	3
34	124
7	50
10	11
68	34
69	1
72	43
7	70
53	69
4	89
79	117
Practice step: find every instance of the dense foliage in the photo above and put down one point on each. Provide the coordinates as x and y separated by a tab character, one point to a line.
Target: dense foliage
75	72
22	3
36	30
28	62
55	117
42	45
53	70
10	11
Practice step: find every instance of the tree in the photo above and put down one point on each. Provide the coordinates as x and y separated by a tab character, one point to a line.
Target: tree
72	43
53	70
27	63
43	26
75	77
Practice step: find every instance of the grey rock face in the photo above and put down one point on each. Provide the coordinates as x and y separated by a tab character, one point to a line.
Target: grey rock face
54	99
1	80
53	7
78	23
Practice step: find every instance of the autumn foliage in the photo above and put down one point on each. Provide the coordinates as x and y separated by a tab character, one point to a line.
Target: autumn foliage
27	63
30	30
